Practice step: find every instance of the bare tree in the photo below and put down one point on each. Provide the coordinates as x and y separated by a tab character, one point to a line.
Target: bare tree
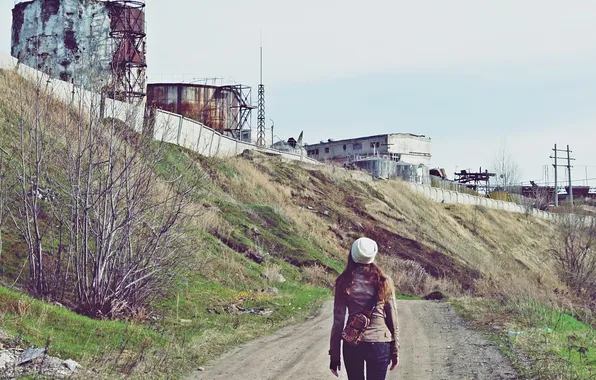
506	169
3	153
105	230
574	249
538	199
125	219
32	143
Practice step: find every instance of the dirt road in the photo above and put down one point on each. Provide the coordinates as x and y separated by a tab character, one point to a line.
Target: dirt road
435	344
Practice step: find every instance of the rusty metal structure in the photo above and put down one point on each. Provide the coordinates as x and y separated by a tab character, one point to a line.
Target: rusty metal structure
474	180
225	108
96	44
129	62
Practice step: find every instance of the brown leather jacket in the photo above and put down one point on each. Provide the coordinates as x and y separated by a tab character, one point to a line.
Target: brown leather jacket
383	326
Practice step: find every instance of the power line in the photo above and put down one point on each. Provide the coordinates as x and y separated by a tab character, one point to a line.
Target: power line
575	180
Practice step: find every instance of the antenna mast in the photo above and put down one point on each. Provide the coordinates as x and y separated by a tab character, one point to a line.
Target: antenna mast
261	108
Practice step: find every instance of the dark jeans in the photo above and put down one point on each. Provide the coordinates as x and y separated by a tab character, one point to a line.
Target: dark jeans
376	355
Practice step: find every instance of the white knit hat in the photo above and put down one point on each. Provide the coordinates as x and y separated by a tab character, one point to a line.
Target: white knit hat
364	250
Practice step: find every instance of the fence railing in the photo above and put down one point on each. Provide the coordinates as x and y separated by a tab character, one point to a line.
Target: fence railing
440	183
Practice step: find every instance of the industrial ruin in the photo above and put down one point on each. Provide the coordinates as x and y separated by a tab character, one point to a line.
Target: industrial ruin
225	108
393	155
98	45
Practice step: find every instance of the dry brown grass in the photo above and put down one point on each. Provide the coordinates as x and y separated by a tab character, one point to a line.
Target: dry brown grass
508	249
411	278
318	276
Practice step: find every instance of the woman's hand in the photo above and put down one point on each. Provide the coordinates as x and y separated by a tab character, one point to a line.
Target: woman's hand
335	367
394	362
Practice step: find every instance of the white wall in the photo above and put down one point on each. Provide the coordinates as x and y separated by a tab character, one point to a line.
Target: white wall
414	150
169	127
193	135
68	93
453	197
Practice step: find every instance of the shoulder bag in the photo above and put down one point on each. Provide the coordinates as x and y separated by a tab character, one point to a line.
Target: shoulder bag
357	325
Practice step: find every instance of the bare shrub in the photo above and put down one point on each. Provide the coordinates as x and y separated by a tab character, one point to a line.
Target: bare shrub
317	275
573	248
538	199
411	278
408	276
272	272
102	210
3	155
446	285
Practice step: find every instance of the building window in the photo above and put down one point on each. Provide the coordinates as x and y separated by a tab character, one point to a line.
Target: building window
327	150
345	147
357	146
317	151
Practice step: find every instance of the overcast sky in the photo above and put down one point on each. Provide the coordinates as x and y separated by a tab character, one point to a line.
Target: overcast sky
471	75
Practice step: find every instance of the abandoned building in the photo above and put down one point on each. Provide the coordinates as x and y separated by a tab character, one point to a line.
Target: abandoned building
392	155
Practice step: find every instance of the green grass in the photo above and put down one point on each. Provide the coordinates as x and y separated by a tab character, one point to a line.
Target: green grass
407	297
558	345
560	334
71	335
115	345
276	235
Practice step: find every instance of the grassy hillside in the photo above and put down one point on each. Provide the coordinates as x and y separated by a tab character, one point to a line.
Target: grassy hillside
264	242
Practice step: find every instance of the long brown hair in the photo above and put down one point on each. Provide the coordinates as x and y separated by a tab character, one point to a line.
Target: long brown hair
374	273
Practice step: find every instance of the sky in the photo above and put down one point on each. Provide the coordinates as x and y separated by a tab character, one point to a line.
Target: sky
474	76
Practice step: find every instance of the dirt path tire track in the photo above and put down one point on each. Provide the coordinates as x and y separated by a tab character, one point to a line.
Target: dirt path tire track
435	344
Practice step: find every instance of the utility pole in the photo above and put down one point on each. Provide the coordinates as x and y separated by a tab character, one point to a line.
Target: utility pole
569	169
556	165
556	183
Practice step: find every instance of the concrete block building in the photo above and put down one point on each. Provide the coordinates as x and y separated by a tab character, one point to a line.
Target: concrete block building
403	147
395	155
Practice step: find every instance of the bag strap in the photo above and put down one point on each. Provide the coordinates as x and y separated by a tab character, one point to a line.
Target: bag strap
374	305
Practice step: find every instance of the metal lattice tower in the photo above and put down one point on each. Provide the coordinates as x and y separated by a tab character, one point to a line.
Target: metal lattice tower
129	60
261	110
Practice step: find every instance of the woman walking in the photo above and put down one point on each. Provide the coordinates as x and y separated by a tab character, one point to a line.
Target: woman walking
364	288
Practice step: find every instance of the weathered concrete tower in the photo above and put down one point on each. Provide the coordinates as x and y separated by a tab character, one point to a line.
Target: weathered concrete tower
99	45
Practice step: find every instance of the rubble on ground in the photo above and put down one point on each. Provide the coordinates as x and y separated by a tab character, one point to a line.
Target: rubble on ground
16	362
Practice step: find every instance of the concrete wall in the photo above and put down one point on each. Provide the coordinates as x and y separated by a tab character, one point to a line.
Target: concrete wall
193	135
132	114
168	127
412	149
453	197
